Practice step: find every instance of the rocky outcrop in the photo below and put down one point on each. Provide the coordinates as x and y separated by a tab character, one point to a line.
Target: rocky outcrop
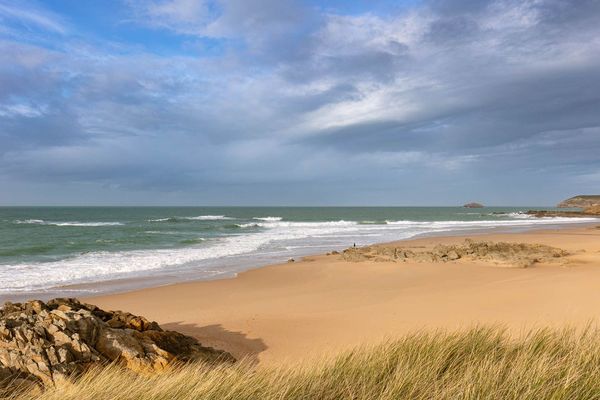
473	205
593	211
512	254
48	343
581	201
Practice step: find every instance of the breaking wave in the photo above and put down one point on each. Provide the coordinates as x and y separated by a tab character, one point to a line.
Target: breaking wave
271	234
67	223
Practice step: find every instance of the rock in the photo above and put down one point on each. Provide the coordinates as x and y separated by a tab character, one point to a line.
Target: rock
581	201
49	343
515	254
586	212
592	210
453	255
473	205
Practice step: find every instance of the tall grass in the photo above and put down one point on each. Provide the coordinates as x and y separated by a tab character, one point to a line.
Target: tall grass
481	363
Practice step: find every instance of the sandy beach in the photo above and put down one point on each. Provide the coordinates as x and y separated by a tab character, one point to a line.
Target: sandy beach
324	304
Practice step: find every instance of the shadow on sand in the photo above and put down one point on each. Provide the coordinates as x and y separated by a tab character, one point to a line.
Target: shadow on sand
236	343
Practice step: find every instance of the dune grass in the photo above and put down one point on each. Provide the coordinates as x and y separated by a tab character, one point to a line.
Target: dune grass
481	363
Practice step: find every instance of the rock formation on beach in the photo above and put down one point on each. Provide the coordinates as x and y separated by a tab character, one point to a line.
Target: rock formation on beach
473	205
503	253
581	201
592	211
47	343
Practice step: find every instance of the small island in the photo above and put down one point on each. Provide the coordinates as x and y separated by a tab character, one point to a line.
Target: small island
473	205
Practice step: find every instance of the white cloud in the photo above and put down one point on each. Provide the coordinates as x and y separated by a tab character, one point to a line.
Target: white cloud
22	110
30	15
182	16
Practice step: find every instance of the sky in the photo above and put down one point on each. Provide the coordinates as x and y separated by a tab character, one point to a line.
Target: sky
285	102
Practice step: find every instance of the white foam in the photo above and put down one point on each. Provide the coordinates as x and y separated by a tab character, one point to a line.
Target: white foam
30	221
197	218
207	218
269	219
301	224
67	223
85	223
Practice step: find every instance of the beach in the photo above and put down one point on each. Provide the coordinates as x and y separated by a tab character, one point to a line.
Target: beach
48	252
322	305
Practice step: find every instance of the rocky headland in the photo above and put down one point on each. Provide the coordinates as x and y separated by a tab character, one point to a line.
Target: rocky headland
50	343
581	201
473	205
589	206
521	255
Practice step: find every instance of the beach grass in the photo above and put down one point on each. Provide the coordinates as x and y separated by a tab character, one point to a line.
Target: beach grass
479	363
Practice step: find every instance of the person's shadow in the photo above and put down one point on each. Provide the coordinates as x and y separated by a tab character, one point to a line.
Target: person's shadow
236	343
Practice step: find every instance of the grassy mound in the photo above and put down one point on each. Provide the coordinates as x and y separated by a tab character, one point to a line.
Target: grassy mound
481	363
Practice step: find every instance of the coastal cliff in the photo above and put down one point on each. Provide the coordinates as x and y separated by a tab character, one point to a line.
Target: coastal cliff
581	201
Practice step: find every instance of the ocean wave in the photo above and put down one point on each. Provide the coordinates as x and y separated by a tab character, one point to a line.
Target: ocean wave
269	219
86	223
100	266
520	215
207	218
66	223
248	225
164	232
197	218
192	241
297	224
308	224
103	265
30	221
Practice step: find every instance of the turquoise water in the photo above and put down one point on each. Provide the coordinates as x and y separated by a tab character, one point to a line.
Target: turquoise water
43	250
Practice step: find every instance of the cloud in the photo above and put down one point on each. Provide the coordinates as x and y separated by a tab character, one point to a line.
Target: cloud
442	97
29	15
182	16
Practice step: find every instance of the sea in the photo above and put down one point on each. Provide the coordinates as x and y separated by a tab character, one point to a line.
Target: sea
83	251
